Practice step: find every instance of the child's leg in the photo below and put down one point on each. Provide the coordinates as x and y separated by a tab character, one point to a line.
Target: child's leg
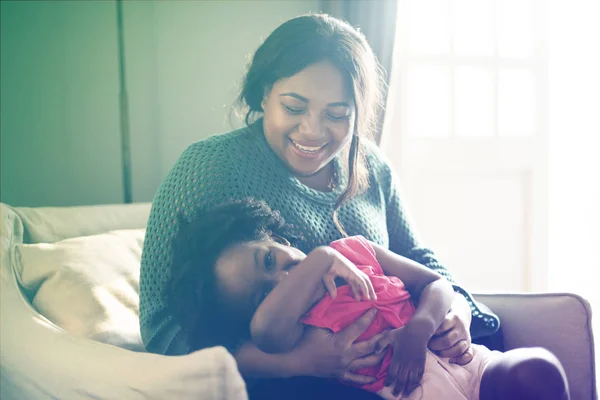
528	374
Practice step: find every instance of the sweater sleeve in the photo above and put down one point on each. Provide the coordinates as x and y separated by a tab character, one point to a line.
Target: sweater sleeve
197	180
403	241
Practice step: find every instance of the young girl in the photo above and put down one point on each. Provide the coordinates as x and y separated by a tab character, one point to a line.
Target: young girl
237	277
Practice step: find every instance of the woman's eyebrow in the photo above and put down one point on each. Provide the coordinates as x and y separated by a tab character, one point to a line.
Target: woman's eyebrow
295	95
339	104
305	100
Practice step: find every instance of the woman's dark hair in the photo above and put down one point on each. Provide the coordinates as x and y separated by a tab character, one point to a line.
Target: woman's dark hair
198	244
308	39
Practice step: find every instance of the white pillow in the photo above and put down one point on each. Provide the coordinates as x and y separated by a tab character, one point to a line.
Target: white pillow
88	285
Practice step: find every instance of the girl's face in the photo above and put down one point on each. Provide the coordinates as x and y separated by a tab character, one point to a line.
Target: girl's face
247	272
309	118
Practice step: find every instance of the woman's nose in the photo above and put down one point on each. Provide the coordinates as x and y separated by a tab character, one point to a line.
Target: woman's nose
310	126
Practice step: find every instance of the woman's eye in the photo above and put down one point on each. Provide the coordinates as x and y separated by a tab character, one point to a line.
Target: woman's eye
334	117
269	261
293	110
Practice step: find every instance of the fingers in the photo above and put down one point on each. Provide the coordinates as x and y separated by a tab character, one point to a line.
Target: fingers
382	344
404	380
457	350
353	331
329	283
361	285
358	379
366	361
370	289
370	346
392	373
401	380
366	289
356	289
414	380
465	358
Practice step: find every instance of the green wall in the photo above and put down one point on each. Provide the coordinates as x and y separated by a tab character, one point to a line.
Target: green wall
59	114
60	87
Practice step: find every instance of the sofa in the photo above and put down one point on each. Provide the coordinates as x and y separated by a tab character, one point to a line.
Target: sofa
69	308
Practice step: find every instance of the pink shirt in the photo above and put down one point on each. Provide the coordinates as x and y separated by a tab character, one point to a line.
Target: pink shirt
393	303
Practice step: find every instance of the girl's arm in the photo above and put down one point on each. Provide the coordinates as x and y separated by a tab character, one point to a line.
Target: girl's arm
276	325
432	294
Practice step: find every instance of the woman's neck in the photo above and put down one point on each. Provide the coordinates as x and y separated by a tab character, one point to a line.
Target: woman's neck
323	180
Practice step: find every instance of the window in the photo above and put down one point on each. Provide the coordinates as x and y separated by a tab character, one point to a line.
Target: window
467	134
471	68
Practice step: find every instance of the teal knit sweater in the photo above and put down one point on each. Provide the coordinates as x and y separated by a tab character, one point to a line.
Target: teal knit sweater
240	164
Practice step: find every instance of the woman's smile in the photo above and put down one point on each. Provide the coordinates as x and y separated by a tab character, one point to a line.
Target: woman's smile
304	150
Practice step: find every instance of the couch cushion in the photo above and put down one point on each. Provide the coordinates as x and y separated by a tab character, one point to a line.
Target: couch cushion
87	285
51	224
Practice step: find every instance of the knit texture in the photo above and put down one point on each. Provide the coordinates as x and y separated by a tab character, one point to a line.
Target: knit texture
241	164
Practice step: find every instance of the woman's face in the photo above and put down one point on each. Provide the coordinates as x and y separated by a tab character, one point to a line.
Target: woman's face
309	118
248	271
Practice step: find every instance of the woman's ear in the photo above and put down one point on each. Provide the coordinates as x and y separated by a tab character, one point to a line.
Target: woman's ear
280	239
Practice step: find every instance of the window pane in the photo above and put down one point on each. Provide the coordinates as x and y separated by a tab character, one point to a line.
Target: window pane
427	28
515	28
474	93
516	102
472	26
426	100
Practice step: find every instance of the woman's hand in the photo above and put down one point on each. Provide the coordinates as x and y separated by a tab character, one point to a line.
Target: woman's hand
335	355
358	281
452	339
408	361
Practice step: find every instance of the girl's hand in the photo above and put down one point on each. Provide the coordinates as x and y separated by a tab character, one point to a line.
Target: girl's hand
452	339
334	355
358	281
408	361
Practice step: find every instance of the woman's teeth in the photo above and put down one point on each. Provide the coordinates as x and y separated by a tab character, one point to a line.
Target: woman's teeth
308	149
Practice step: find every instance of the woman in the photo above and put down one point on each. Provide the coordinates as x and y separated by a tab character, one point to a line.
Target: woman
312	92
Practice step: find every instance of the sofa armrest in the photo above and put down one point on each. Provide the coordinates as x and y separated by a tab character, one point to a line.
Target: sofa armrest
559	322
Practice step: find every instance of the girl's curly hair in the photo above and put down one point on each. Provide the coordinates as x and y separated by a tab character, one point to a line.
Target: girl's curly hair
199	242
